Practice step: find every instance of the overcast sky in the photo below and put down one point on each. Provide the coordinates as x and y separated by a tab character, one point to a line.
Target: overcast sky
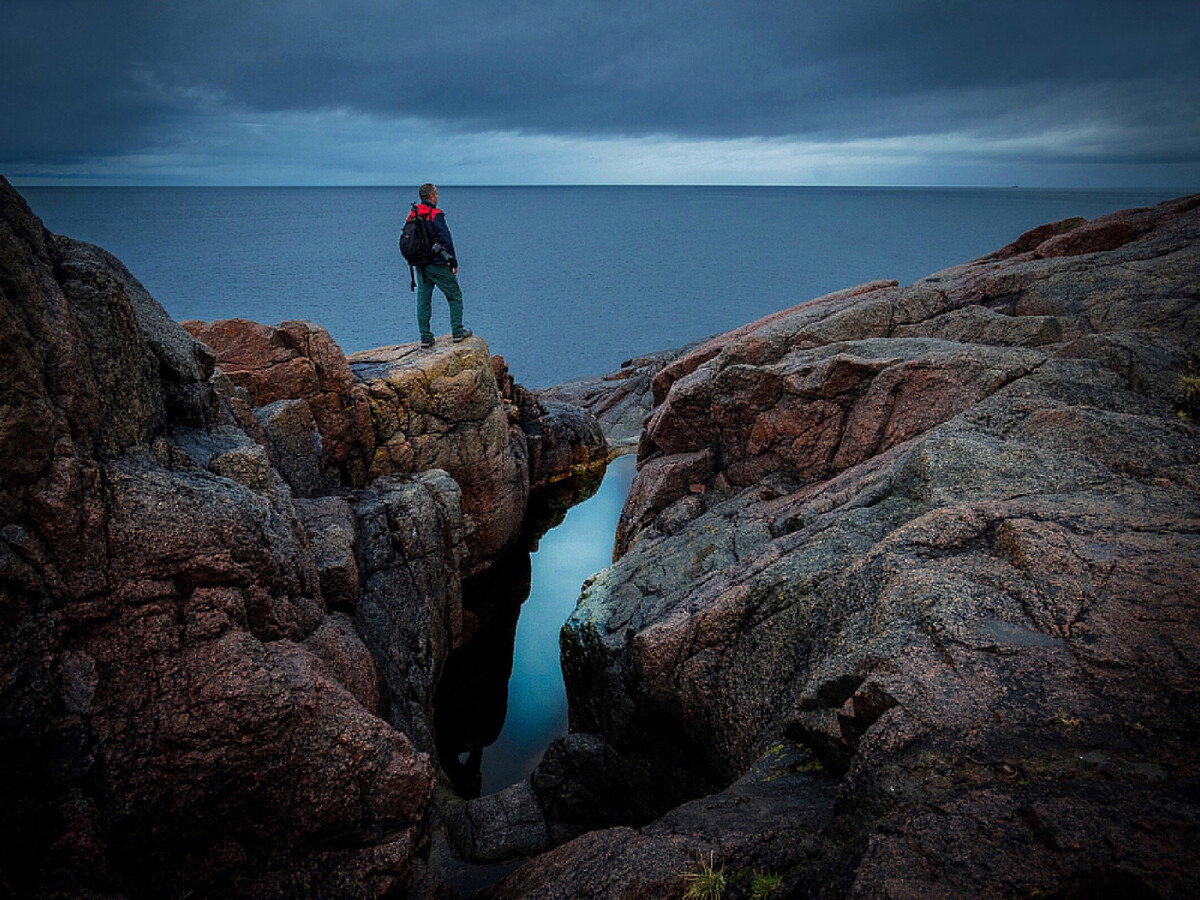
939	92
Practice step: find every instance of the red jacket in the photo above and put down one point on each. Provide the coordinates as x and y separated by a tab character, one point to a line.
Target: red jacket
441	233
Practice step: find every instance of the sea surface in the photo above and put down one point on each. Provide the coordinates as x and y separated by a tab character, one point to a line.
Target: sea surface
561	281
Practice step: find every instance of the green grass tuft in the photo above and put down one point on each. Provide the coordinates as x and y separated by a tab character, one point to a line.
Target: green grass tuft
707	883
764	885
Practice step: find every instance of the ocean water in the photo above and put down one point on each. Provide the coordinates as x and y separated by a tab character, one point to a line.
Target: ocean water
561	281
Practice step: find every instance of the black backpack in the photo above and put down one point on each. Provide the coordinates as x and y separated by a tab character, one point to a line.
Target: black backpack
416	245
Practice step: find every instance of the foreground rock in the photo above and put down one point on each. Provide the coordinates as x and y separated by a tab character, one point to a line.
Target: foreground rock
936	548
178	711
231	576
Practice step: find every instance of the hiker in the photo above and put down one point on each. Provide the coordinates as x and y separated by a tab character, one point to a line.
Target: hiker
443	272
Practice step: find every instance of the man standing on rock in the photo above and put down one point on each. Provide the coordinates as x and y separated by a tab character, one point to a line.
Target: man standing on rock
444	274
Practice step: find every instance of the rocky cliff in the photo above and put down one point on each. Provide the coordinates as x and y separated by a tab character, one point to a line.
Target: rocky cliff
909	580
905	601
329	421
229	578
620	400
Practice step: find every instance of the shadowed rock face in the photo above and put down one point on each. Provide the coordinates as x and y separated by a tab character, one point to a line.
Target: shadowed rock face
409	549
177	710
916	570
565	441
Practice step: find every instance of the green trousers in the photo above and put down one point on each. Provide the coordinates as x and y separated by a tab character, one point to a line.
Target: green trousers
445	279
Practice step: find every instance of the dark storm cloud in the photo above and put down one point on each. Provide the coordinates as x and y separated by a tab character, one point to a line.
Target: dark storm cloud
85	79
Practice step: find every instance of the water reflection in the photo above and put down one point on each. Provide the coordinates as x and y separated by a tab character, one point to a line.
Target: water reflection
472	695
501	699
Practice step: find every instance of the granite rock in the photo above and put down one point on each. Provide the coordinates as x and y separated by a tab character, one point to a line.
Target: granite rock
563	440
294	444
299	361
332	534
942	540
619	400
397	410
440	409
409	549
177	712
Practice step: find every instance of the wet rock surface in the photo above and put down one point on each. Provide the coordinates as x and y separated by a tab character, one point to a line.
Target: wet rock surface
940	541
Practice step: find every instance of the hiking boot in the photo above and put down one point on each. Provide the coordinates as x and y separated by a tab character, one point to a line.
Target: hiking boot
462	335
426	343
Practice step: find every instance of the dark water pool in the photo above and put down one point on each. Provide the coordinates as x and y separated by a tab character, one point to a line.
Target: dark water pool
501	700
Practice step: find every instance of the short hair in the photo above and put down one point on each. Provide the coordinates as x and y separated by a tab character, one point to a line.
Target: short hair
426	191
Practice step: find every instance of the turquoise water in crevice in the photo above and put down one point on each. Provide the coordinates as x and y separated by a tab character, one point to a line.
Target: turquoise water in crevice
483	686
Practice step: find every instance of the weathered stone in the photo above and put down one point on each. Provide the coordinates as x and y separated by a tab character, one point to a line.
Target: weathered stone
766	824
694	358
620	400
331	528
294	443
299	361
162	730
409	613
440	409
346	659
564	442
944	538
406	410
116	315
499	827
583	783
1036	236
661	482
1090	238
910	573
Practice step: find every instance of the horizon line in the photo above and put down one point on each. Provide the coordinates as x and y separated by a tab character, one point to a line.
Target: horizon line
39	183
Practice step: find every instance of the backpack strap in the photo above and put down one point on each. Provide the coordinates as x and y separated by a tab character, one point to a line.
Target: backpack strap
412	278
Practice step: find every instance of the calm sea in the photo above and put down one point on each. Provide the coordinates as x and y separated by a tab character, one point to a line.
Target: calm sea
562	281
